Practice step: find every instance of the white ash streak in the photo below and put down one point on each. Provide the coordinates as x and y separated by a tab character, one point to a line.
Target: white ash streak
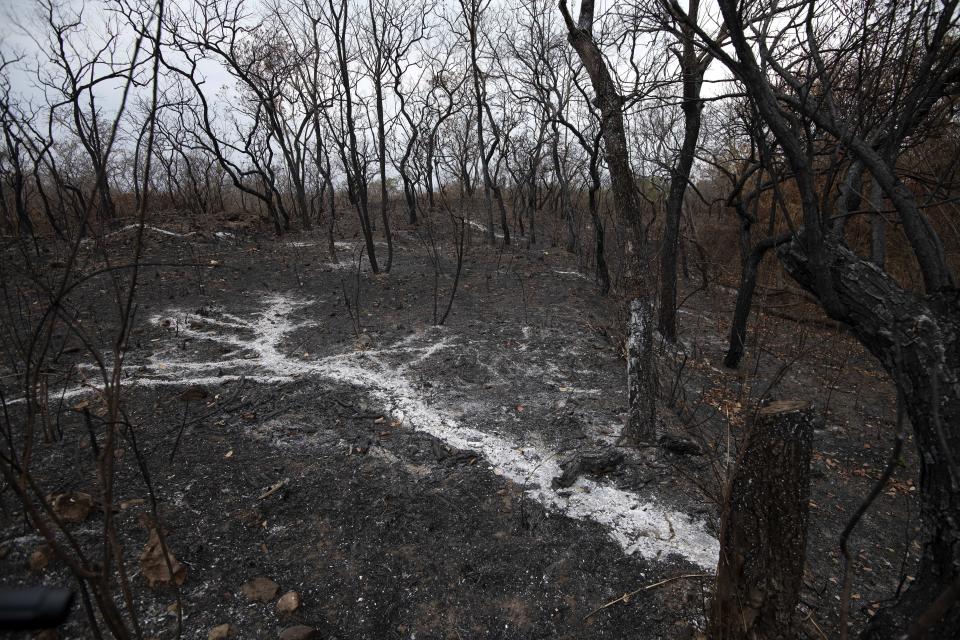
645	528
575	274
638	526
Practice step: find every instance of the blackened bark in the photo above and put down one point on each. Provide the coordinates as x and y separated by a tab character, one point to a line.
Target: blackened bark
382	159
917	340
610	104
741	310
752	257
603	273
565	203
692	70
355	174
641	424
849	200
641	376
763	528
878	227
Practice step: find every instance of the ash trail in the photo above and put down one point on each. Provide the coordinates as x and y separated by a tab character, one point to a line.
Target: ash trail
255	353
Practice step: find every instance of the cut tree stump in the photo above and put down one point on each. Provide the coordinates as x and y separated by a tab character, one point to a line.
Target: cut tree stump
763	528
641	428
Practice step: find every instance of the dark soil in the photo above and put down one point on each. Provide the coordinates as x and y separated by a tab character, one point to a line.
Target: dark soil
388	532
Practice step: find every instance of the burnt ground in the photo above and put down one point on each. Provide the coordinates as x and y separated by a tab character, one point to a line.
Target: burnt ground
397	475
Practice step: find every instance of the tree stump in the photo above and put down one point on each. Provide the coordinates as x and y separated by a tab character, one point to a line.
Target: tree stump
641	425
763	528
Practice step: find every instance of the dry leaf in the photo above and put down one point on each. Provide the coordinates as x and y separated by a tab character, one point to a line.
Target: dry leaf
260	589
222	631
154	566
40	558
74	506
288	603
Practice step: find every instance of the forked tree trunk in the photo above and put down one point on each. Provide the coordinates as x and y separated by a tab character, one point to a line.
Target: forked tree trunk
917	340
763	528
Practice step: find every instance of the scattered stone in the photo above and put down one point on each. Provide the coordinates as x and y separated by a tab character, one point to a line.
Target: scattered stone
299	632
260	589
288	603
223	631
680	445
593	461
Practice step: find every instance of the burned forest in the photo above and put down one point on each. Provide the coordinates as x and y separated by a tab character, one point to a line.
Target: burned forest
455	319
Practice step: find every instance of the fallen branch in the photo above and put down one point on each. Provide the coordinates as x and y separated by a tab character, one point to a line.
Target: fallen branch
625	598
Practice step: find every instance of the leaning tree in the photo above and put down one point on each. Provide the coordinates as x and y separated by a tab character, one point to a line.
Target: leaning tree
789	60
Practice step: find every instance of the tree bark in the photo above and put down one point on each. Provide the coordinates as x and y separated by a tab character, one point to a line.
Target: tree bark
878	227
917	340
382	159
610	104
641	428
692	71
641	424
741	310
763	528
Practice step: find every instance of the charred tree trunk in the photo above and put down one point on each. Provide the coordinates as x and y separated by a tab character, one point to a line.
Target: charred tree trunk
642	388
603	273
382	159
610	103
763	528
641	377
331	223
741	310
878	227
849	199
917	340
692	70
564	190
355	172
752	257
532	207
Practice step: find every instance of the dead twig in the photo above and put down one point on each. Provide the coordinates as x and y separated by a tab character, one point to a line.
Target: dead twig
276	486
625	598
